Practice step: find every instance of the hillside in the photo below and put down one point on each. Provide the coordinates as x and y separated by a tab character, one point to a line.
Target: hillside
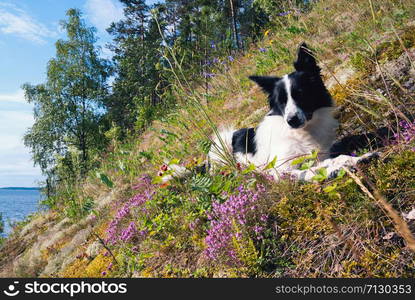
237	222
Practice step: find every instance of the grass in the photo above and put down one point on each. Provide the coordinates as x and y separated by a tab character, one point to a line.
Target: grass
331	228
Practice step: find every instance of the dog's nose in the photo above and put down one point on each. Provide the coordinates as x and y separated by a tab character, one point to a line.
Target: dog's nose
295	121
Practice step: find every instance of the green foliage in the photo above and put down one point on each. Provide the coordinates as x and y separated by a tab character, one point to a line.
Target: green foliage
201	183
76	206
105	179
305	162
321	175
175	40
140	87
271	165
68	129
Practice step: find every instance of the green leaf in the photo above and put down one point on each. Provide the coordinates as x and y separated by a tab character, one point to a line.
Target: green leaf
348	181
174	161
307	165
105	179
314	154
322	172
157	180
248	170
321	175
341	174
331	188
299	160
271	165
302	159
201	183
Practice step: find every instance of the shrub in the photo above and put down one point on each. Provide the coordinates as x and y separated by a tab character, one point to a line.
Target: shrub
116	232
239	217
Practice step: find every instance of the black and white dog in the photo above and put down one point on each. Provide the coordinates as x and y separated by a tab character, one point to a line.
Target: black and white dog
300	120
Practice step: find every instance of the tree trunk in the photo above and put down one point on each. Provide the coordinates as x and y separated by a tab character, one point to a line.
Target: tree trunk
234	24
82	142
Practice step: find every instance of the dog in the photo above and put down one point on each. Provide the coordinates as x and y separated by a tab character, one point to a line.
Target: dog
300	120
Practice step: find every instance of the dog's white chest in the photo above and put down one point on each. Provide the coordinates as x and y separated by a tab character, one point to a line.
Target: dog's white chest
274	138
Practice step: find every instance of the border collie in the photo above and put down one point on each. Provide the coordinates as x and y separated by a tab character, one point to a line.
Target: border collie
300	120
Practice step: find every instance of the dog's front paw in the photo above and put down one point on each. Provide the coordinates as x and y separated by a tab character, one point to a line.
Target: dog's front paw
344	161
368	157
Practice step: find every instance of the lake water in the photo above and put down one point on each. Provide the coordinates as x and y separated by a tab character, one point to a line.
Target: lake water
15	205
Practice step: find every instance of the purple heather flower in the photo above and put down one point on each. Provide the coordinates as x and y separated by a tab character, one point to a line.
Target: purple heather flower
115	233
240	208
208	75
258	229
284	13
231	59
263	50
406	134
128	233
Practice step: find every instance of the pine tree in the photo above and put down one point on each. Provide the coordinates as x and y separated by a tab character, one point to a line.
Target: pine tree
138	82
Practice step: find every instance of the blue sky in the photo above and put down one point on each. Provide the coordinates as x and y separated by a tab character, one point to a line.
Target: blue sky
28	31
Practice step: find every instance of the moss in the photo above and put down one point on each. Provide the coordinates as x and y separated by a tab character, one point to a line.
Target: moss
396	177
324	235
342	93
362	62
375	263
247	254
99	266
390	50
83	267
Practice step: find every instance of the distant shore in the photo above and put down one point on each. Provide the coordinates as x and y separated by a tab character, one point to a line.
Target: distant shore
20	188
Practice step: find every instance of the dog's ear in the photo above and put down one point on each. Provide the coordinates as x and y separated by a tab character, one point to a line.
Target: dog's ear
305	60
267	83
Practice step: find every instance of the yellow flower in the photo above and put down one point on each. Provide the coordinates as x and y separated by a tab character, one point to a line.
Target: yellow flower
267	32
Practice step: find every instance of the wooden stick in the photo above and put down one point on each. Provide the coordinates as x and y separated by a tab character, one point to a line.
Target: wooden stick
400	225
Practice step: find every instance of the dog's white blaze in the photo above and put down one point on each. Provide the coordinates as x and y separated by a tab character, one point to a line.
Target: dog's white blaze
291	109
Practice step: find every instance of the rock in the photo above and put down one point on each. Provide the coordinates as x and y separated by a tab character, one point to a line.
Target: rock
410	215
94	249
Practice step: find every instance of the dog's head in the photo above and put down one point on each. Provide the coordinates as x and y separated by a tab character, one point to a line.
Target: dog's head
296	96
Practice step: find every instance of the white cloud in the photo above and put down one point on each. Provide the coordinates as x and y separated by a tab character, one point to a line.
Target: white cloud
102	13
16	167
15	21
13	97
